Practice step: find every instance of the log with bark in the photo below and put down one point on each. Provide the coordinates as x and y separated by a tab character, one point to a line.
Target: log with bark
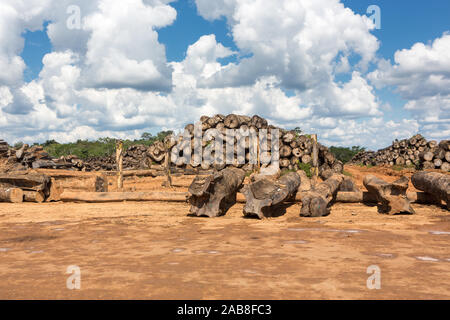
26	181
265	195
33	196
317	201
13	195
71	196
369	197
434	183
76	180
214	194
391	196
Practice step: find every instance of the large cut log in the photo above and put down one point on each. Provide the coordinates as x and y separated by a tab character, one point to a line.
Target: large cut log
26	181
77	180
317	202
70	196
33	196
368	197
13	195
264	195
213	195
437	184
391	196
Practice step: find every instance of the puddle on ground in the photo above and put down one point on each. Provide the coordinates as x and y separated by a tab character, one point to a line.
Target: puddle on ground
296	242
177	250
425	258
326	230
439	232
4	249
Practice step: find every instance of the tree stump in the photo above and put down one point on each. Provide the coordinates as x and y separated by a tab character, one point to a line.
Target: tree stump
214	194
317	202
434	183
263	196
391	196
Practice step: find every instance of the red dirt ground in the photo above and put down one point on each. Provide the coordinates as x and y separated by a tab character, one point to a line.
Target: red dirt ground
153	250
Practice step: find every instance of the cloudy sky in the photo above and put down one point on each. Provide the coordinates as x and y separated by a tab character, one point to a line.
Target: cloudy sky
92	68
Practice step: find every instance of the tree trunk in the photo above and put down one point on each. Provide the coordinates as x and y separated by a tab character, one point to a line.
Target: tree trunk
213	195
76	180
27	181
33	196
69	196
263	196
437	184
445	167
316	203
13	195
368	197
391	196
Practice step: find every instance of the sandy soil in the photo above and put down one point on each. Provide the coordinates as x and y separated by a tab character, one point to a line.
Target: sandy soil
153	250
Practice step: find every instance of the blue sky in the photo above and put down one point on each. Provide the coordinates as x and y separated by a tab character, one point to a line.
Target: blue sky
404	22
242	69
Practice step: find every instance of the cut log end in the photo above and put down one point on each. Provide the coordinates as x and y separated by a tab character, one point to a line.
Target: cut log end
12	195
213	195
390	196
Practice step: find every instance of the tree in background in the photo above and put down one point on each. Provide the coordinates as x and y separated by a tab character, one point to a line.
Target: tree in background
345	154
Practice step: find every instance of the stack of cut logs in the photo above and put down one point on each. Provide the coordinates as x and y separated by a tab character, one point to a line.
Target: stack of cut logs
3	148
33	157
416	151
134	158
293	148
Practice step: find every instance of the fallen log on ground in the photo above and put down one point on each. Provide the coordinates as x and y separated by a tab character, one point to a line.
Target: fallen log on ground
27	181
13	195
77	180
264	195
33	196
68	196
317	202
341	196
368	197
391	196
213	195
434	183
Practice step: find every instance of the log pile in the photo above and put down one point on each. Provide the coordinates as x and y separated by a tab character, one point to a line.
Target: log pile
34	187
33	157
415	151
293	147
3	148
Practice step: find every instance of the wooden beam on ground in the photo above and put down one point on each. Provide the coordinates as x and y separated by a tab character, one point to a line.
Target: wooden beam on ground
77	180
69	196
